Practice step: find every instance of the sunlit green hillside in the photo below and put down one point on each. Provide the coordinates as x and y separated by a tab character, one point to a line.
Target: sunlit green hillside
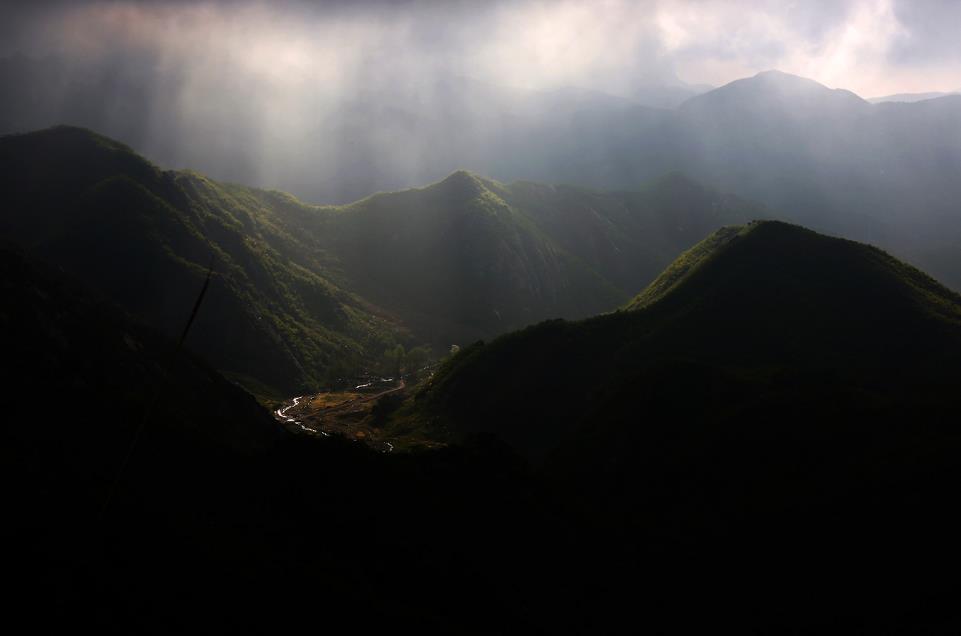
303	294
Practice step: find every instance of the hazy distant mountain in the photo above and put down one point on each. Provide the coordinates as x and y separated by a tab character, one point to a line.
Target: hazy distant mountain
337	148
667	95
824	158
775	91
828	159
303	294
909	97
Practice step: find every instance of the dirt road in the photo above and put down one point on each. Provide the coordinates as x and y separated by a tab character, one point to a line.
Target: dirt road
347	418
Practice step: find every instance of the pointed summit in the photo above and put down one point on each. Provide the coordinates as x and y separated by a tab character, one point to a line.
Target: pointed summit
461	183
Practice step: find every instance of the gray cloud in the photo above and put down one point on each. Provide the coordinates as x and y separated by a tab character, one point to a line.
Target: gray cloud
932	33
869	46
255	91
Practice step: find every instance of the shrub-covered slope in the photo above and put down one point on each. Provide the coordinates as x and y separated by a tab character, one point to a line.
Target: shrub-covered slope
146	237
468	257
302	294
771	427
759	323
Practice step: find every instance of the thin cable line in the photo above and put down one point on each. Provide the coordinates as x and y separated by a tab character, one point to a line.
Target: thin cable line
165	373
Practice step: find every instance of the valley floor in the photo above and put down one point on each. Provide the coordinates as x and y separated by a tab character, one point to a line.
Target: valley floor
352	415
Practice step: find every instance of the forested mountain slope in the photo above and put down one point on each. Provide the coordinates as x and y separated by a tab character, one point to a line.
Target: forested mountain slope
304	294
763	318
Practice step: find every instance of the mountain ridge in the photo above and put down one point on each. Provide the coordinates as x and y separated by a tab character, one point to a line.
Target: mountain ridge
785	88
879	173
762	310
304	294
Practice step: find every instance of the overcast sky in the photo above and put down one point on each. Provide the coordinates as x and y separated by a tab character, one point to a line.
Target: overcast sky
872	47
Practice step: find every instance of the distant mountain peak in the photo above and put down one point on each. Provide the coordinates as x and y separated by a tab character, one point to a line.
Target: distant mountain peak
775	88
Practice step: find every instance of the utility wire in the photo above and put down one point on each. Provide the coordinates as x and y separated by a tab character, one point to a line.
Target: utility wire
165	373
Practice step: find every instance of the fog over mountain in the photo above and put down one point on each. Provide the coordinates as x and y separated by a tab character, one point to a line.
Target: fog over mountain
335	100
334	103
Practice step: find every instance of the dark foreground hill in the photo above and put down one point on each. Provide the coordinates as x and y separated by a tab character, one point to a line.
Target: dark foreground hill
303	294
217	521
753	316
775	392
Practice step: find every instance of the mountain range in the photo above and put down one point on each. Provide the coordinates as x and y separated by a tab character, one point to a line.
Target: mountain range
827	159
754	320
302	294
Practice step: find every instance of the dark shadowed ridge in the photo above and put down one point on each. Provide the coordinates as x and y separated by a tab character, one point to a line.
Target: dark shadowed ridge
776	403
755	306
213	479
275	316
103	368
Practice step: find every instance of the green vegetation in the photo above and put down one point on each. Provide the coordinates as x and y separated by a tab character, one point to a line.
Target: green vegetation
303	295
683	265
767	318
145	238
778	402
